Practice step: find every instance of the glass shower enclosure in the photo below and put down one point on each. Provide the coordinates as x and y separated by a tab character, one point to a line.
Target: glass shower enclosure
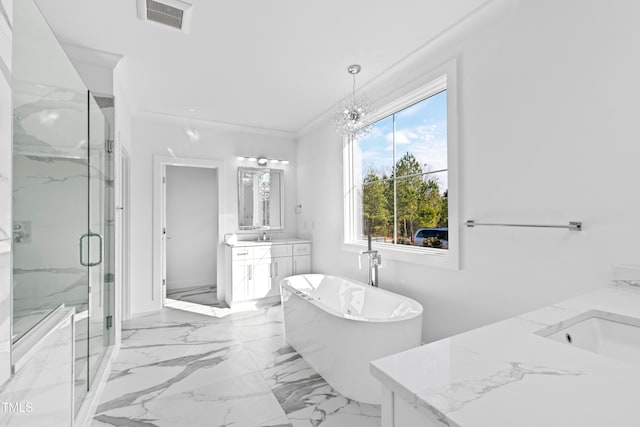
62	208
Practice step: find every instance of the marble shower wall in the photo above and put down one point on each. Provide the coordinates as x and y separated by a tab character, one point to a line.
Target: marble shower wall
6	37
50	170
48	191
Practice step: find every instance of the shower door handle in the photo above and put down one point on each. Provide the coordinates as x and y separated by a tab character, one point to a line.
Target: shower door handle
89	263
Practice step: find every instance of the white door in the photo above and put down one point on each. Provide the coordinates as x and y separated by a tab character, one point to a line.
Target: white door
241	280
263	271
302	264
283	267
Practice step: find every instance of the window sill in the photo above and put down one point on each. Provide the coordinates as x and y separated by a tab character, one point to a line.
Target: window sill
438	258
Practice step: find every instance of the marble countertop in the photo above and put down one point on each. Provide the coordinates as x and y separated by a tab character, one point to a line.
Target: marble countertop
504	375
285	241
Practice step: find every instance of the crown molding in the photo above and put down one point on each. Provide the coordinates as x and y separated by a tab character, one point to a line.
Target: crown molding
215	124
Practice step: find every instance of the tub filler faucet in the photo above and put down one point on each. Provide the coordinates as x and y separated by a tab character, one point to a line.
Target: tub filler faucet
375	259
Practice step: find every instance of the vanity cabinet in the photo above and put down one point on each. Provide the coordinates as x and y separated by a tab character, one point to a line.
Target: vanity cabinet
256	268
301	258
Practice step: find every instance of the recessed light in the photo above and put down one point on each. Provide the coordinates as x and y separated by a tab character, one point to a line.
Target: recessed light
240	158
284	162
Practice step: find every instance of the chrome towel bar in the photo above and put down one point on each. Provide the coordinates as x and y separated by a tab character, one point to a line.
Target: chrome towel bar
573	225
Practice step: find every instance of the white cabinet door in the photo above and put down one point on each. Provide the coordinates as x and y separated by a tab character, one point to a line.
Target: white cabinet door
241	275
282	267
261	283
302	264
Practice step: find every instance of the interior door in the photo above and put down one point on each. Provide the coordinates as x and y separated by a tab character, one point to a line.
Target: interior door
163	237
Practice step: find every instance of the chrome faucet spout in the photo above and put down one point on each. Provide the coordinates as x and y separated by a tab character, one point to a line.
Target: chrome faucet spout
375	259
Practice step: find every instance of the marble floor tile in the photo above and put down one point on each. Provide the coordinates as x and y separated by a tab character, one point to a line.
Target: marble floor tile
203	295
241	401
295	384
337	412
278	422
228	367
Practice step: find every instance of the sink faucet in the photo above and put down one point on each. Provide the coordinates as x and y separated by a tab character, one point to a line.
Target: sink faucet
375	259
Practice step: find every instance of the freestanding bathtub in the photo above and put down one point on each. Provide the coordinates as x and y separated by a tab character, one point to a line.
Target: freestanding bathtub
338	326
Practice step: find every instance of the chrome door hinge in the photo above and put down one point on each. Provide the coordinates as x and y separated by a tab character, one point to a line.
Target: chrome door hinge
109	322
109	145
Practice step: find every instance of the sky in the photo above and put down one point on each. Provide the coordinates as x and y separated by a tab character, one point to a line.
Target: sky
421	129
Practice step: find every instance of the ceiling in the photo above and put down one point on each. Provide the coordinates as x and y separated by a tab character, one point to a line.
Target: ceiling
276	64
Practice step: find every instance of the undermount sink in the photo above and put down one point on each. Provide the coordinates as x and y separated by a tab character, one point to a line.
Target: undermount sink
608	334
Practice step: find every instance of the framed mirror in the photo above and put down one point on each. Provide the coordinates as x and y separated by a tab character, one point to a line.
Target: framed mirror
260	199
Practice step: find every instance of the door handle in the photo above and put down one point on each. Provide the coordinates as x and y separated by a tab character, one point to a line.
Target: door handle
101	246
250	272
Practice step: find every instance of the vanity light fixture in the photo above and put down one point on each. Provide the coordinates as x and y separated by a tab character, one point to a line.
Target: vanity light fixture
351	113
262	161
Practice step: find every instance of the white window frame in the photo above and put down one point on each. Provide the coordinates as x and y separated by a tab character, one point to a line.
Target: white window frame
444	77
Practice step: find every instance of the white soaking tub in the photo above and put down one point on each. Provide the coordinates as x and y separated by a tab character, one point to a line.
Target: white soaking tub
338	326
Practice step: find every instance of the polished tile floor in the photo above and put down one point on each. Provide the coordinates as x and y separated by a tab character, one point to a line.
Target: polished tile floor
203	295
195	365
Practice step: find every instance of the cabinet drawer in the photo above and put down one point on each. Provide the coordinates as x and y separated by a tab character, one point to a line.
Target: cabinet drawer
302	249
262	252
281	251
241	253
271	251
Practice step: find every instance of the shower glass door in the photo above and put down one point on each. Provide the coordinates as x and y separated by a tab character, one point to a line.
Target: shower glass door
99	188
61	195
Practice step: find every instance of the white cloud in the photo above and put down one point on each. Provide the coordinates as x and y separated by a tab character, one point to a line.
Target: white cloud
403	137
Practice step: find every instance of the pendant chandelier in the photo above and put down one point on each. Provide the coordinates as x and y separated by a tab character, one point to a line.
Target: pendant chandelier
352	112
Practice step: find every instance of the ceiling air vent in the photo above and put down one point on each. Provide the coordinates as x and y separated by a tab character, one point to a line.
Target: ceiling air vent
174	13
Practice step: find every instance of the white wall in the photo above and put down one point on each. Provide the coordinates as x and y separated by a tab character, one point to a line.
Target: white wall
122	111
167	136
548	95
192	227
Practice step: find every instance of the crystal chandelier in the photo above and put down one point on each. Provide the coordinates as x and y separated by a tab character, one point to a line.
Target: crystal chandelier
349	118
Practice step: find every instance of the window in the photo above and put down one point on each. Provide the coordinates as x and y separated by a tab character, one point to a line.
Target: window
399	179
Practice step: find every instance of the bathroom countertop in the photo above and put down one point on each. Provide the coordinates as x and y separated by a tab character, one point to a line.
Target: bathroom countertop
504	375
244	243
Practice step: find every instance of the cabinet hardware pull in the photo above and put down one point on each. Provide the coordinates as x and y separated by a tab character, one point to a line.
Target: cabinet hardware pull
250	272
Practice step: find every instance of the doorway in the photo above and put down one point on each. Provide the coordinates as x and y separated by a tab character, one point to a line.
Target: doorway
191	234
187	230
